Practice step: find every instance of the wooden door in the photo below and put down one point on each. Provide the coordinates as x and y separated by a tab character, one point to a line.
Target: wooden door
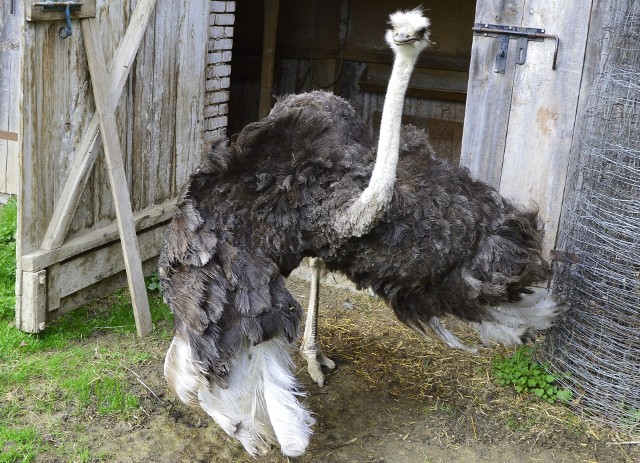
10	19
519	125
106	144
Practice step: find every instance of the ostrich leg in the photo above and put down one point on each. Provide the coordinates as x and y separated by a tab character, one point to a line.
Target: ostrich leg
310	347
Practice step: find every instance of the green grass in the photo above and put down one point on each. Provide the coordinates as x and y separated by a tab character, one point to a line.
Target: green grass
18	445
65	371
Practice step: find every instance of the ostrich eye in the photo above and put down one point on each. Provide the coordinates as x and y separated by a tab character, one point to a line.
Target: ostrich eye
421	32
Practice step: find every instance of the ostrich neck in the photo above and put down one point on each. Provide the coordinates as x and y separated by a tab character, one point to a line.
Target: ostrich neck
384	171
365	212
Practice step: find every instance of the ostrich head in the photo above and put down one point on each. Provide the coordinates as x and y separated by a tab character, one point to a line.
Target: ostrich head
409	33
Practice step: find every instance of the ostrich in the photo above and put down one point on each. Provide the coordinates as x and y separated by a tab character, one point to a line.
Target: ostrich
302	182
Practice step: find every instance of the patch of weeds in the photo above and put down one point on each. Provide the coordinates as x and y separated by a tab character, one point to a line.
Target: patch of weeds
446	409
521	422
153	282
630	421
528	376
18	444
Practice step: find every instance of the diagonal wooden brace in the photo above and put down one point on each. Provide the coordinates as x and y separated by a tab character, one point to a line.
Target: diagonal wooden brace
117	177
90	145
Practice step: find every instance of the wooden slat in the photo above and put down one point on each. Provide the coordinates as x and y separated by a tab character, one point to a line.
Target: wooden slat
488	96
90	145
271	8
143	220
107	259
190	95
106	286
117	176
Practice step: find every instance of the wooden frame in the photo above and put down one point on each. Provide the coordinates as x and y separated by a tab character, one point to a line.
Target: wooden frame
103	221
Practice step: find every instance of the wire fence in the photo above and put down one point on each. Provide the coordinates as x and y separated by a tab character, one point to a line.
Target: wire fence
596	351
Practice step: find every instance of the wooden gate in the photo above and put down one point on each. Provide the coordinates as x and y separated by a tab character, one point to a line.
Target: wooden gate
519	124
106	143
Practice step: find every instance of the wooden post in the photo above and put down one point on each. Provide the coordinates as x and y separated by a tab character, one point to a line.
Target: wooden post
34	290
117	177
271	9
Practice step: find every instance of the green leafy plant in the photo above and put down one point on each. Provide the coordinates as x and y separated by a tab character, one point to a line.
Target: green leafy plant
528	376
153	282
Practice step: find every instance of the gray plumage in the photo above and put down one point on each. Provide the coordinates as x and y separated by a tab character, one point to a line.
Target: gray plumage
446	245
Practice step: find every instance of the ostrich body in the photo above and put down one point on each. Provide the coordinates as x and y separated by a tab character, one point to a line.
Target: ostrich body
296	184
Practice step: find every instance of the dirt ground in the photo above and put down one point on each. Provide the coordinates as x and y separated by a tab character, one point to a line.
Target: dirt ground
394	397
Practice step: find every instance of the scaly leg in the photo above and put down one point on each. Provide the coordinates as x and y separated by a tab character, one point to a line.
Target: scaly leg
310	347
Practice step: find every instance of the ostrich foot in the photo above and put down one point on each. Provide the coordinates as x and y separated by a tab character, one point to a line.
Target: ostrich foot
315	361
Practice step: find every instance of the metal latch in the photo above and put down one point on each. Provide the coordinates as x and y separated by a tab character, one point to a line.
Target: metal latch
522	35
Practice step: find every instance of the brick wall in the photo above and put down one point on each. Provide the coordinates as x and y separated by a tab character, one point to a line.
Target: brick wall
221	19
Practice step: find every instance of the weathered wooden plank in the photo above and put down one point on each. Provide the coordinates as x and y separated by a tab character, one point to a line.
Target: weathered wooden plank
108	260
117	176
271	9
89	146
191	60
97	290
167	25
9	91
543	111
34	286
84	242
488	96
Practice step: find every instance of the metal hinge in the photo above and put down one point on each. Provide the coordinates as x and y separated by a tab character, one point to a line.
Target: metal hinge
522	35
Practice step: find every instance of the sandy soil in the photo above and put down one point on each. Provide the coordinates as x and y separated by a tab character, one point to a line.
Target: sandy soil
394	397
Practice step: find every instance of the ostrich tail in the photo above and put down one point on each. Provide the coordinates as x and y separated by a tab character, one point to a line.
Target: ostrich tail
290	420
514	323
259	405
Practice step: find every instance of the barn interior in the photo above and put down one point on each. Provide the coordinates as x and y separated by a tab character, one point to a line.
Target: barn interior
338	45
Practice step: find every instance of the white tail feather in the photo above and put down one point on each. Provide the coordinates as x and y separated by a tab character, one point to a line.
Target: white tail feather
184	376
512	322
291	422
259	406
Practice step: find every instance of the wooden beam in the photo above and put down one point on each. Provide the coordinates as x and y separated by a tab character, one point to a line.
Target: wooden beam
271	8
143	220
117	176
90	145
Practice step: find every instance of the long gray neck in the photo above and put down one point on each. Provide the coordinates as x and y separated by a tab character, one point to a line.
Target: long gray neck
384	172
365	212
